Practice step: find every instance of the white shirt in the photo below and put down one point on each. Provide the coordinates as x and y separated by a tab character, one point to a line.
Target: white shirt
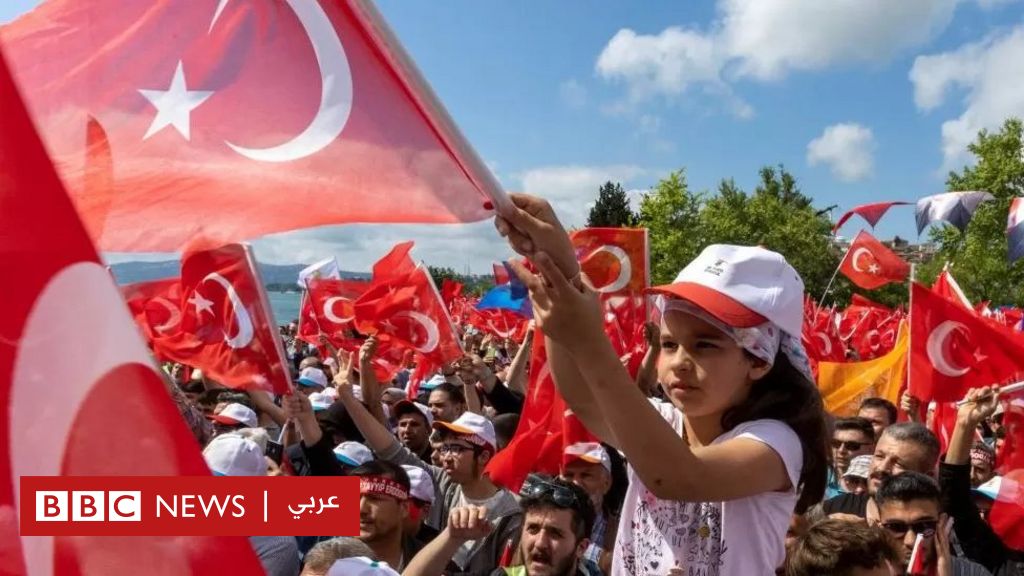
735	538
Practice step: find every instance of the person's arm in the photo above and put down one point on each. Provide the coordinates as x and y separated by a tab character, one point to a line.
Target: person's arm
517	377
647	376
504	400
315	445
368	380
464	524
910	406
578	396
472	398
378	437
264	402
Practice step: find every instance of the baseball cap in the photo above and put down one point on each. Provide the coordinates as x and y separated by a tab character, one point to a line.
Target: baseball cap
233	455
352	454
320	401
990	489
474	427
403	407
742	286
860	467
421	486
235	413
589	452
435	381
312	376
361	566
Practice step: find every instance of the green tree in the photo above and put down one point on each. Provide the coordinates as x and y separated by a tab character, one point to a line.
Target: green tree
612	208
671	214
440	274
978	256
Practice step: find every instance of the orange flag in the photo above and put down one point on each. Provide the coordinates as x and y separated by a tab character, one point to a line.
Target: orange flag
844	384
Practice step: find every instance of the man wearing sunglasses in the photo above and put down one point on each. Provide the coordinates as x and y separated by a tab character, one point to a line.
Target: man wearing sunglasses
557	519
851	437
908	507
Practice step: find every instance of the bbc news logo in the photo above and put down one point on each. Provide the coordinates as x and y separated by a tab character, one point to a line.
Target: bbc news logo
88	506
189	505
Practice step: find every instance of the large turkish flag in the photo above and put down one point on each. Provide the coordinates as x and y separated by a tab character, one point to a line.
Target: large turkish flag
237	119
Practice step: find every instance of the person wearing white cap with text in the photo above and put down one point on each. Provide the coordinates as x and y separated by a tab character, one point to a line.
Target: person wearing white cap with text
352	454
311	380
232	417
587	465
738	446
421	498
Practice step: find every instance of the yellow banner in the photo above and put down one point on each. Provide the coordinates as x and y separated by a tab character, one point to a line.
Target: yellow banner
844	384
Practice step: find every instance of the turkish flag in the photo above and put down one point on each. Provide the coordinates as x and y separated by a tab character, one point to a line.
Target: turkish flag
450	290
64	323
869	264
156	307
947	287
334	309
953	350
226	327
614	259
238	119
499	322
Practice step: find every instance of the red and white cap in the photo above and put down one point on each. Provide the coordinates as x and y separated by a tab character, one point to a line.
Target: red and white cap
421	486
589	452
235	414
474	427
234	455
743	287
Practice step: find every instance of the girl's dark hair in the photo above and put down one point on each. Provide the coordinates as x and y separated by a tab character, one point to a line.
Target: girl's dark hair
785	394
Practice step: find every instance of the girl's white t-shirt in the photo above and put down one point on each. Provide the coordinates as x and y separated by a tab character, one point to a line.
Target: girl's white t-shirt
742	537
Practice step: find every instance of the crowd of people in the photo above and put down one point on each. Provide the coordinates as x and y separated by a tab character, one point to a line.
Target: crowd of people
728	465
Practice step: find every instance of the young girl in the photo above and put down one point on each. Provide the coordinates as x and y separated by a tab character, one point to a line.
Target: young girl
715	473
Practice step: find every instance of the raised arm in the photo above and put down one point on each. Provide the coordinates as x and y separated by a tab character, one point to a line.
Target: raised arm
464	524
647	376
517	377
368	380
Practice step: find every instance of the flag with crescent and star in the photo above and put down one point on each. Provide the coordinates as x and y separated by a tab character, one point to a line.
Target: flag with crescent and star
953	349
870	265
236	119
227	328
81	395
156	307
333	306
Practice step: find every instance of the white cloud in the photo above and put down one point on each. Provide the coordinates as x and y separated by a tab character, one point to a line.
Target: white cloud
847	149
984	72
766	40
573	94
571	189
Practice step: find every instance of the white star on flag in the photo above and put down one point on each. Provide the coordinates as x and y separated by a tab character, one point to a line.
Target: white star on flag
174	106
201	303
874	268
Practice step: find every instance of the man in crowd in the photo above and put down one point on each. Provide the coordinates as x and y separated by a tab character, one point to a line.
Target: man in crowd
311	380
421	498
855	479
447	402
557	518
983	464
587	465
840	548
320	558
880	412
851	437
233	417
908	508
906	446
414	422
384	512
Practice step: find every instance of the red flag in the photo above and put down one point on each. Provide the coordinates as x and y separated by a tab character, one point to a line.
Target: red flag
615	259
537	443
450	290
238	119
65	324
333	304
870	212
226	327
501	275
869	264
947	287
953	350
156	307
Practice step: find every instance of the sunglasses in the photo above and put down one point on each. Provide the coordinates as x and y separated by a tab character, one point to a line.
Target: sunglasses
898	528
849	444
535	487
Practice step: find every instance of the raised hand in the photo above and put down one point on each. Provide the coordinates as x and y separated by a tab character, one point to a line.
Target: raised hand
532	226
469	523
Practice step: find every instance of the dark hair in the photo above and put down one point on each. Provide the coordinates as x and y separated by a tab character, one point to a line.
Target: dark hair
384	469
233	397
325	553
582	509
907	487
455	393
862	425
505	428
837	547
785	394
616	495
880	403
919	434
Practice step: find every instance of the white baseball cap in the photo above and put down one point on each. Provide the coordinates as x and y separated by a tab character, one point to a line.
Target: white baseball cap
235	413
361	566
421	485
352	454
321	400
589	452
478	429
742	286
233	455
312	376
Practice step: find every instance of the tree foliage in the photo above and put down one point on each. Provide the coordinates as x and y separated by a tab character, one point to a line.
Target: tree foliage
612	208
978	256
671	214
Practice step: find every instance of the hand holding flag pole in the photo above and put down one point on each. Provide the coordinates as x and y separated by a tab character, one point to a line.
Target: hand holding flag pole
1003	391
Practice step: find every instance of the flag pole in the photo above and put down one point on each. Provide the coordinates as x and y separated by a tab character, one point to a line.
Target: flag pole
910	324
821	302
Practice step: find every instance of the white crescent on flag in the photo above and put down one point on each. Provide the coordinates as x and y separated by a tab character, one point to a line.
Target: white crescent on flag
245	329
936	349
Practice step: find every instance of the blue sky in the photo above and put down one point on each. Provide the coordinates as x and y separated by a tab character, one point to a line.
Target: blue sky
863	100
